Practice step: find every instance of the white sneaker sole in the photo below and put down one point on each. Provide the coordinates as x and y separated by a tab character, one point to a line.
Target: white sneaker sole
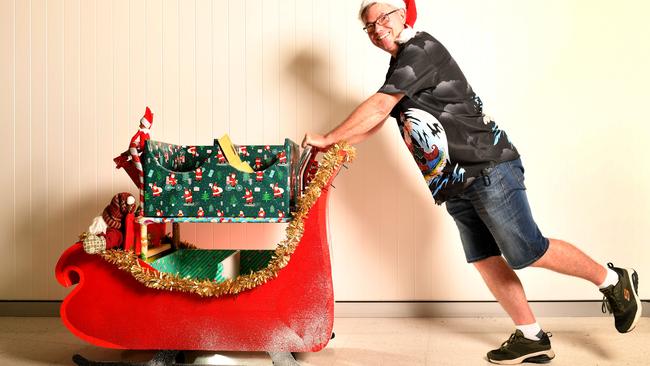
516	361
639	308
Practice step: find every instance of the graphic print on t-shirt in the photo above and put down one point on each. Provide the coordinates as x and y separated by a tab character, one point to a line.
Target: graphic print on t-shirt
441	118
426	140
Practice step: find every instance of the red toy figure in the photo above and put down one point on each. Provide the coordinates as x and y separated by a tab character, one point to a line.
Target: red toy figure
261	213
282	157
259	175
277	191
220	157
171	179
192	151
231	179
200	212
258	163
248	196
198	172
130	159
280	215
180	213
216	190
155	189
241	214
106	231
243	151
159	213
188	196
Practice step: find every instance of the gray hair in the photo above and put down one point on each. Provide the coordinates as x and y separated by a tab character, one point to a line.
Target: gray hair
406	34
365	4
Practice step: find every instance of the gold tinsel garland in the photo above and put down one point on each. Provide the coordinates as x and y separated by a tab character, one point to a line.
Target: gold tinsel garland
128	261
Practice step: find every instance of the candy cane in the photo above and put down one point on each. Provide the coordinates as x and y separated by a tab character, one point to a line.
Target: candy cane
136	147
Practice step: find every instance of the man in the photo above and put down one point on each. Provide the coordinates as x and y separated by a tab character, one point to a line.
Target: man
470	164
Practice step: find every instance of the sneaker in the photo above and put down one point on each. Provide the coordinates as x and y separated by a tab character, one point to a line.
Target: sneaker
518	349
622	299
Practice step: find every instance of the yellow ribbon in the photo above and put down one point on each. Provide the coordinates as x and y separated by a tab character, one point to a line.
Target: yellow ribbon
232	156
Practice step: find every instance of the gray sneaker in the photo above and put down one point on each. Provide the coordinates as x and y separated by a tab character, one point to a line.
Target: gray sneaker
518	349
622	299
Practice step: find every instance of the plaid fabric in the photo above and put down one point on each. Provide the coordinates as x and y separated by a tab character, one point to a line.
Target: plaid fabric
94	244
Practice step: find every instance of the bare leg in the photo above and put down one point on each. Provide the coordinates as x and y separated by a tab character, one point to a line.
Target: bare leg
560	257
506	288
565	258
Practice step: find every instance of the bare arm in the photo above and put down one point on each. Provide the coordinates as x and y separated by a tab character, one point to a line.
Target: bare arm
363	122
362	137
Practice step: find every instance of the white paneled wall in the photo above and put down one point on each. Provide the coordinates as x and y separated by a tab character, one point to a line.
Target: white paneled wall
568	82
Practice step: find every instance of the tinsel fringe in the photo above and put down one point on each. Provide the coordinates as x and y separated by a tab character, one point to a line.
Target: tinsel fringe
128	261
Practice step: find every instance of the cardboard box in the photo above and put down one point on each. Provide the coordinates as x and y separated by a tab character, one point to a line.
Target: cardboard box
197	181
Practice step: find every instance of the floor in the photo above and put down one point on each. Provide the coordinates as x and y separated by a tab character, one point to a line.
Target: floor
362	341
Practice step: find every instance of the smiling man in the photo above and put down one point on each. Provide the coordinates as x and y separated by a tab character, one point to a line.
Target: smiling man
469	163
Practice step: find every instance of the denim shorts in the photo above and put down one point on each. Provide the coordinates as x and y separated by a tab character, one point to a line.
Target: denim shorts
494	218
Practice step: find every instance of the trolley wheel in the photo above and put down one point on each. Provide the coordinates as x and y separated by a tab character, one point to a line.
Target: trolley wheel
161	358
283	359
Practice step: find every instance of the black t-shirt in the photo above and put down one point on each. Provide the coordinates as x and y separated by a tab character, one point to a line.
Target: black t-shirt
441	119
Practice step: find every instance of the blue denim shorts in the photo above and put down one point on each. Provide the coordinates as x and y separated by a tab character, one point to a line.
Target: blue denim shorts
494	218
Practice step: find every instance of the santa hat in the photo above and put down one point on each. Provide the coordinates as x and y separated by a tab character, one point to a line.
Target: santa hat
408	5
121	205
147	119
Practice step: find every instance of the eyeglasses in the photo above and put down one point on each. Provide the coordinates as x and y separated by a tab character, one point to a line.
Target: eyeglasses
382	20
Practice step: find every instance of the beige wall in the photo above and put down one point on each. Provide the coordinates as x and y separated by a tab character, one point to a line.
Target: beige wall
567	79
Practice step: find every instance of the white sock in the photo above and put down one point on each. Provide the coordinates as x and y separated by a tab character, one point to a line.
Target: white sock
610	280
530	330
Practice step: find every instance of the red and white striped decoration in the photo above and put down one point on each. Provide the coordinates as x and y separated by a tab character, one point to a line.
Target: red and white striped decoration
136	147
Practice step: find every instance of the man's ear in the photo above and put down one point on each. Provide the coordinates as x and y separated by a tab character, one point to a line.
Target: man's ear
402	15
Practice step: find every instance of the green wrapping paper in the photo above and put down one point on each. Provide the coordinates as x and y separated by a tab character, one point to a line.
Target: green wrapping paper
254	260
197	181
195	264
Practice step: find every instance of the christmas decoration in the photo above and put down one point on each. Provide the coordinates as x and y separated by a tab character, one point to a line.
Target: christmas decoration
232	156
128	261
93	243
183	178
194	263
130	159
107	231
251	261
121	205
293	312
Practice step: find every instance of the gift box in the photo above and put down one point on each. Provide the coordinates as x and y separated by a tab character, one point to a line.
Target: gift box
215	265
199	182
254	260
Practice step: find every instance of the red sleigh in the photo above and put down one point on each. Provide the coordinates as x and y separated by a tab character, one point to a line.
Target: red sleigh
290	313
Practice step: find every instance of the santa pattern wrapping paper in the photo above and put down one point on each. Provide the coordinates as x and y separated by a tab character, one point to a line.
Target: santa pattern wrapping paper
198	182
